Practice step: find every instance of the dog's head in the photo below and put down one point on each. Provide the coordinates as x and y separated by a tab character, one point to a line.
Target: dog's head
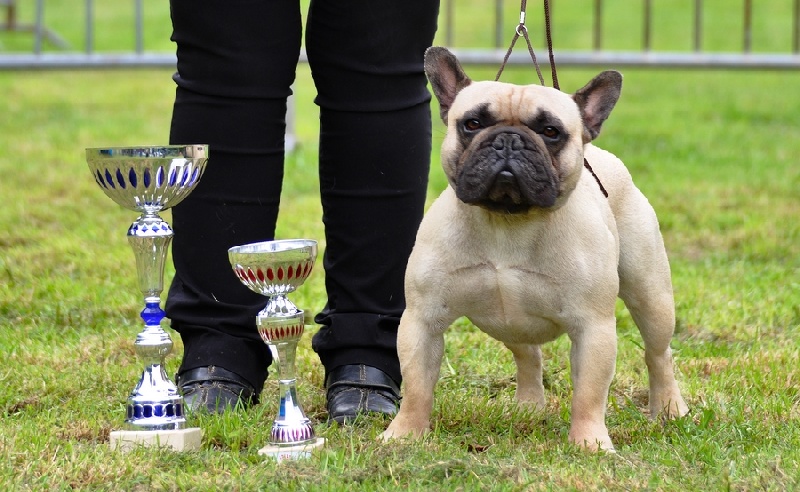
512	148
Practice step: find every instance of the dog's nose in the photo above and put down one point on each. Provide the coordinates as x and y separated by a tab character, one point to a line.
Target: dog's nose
508	141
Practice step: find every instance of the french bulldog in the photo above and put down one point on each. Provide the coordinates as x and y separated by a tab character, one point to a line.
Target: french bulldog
530	242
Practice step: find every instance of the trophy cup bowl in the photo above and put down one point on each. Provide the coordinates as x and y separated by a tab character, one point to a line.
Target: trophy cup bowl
148	180
275	269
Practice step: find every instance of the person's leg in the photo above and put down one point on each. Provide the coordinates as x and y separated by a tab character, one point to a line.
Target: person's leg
236	63
366	58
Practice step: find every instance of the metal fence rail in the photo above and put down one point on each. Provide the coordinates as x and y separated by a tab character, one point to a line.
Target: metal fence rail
646	57
40	32
597	55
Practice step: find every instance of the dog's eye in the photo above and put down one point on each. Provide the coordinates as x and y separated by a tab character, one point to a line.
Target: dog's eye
551	132
472	124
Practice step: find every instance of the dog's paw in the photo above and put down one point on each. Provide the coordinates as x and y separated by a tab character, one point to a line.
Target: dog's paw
669	409
596	446
603	445
398	431
387	436
592	438
534	404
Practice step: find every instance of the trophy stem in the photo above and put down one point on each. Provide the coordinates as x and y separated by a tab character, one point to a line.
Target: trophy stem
286	354
149	237
154	404
281	331
291	427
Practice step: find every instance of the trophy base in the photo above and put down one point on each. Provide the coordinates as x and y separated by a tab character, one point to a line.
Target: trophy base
177	440
299	451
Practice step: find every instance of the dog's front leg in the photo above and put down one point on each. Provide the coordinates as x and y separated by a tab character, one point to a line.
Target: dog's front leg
420	346
593	358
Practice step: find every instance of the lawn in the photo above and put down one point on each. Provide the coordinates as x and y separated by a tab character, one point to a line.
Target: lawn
716	152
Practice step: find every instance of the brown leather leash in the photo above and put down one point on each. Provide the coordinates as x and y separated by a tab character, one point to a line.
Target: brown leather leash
522	30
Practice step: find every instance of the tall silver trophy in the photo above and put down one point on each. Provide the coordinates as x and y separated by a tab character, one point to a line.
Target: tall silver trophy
274	269
149	180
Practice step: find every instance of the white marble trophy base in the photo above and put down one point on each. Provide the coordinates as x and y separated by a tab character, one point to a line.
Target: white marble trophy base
178	440
299	451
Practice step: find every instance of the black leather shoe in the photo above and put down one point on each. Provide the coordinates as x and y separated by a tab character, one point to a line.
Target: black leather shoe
215	390
356	389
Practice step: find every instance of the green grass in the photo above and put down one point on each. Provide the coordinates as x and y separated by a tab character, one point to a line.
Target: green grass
716	153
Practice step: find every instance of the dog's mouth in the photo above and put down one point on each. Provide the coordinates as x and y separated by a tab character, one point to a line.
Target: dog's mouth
505	195
508	173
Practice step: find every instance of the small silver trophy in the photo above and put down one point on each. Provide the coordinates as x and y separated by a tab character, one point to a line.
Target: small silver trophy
274	269
149	180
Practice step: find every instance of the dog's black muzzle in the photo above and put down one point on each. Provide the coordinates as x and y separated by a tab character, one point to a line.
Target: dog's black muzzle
508	170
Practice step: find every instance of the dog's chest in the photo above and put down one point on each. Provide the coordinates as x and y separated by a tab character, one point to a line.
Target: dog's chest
513	301
520	281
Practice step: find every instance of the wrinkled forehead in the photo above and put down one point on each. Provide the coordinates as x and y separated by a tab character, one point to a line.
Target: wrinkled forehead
519	102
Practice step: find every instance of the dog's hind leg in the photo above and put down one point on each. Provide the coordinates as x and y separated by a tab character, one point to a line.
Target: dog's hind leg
656	322
646	289
530	389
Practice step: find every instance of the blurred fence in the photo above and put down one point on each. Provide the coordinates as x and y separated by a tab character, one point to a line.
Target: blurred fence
137	56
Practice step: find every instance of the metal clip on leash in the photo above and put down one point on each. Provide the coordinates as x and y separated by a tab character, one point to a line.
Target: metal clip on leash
522	30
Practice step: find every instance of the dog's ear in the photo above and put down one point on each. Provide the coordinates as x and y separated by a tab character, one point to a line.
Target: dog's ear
446	76
596	100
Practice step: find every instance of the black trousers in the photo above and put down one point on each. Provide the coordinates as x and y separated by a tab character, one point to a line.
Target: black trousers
236	63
